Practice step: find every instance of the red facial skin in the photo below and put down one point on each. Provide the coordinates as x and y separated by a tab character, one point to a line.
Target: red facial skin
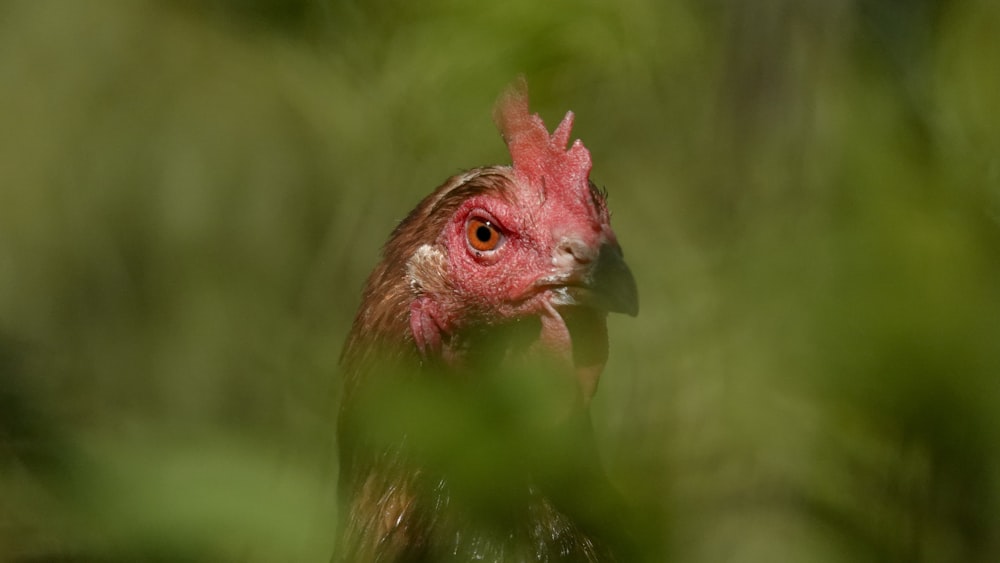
544	234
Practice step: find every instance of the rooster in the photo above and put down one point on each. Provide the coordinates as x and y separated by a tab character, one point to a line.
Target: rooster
500	270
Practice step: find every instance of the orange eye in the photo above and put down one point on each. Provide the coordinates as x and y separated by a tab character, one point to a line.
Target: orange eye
482	234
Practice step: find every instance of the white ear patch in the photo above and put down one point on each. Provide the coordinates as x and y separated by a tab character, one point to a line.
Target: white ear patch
426	270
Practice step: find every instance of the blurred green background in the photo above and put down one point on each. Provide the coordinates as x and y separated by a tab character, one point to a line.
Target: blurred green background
192	193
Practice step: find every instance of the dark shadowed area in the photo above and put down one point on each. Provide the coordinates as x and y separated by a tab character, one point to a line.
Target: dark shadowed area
192	193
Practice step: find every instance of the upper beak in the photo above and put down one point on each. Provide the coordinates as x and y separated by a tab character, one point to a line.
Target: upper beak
610	285
605	283
612	280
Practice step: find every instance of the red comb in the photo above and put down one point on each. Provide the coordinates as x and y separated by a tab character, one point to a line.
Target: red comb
541	158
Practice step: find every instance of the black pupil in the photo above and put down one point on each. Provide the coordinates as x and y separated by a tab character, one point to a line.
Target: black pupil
484	233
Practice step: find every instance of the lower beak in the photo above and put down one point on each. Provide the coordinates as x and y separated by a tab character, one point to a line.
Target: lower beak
608	285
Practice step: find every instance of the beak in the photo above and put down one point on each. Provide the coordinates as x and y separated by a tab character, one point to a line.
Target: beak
607	284
613	282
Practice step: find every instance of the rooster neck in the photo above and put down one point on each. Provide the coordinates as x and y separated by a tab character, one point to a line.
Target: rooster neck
472	462
402	507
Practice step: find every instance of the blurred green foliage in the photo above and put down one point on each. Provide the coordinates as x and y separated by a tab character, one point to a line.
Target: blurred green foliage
192	192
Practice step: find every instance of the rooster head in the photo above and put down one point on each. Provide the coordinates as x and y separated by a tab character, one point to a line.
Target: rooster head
522	243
